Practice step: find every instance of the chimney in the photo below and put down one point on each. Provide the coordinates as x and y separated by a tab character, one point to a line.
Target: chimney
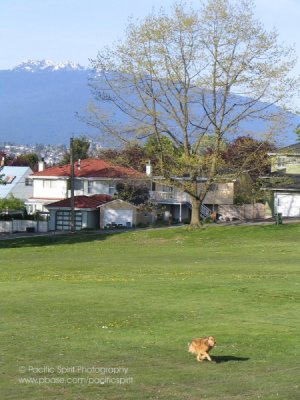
149	168
41	166
2	162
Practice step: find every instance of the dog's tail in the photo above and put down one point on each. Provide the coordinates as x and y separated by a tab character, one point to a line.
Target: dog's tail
191	348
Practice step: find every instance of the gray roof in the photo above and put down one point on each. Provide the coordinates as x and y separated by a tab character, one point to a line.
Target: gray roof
281	180
13	176
293	148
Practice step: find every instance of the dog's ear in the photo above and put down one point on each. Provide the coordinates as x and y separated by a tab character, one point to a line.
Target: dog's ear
211	341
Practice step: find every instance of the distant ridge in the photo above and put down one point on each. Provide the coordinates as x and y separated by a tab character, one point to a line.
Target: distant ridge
39	100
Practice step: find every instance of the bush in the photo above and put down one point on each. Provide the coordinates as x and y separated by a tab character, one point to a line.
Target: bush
142	225
159	224
11	204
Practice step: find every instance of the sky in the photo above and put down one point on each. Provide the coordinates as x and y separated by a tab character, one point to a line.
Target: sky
61	30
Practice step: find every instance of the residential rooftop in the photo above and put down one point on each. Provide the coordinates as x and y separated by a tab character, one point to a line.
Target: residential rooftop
90	168
83	201
11	176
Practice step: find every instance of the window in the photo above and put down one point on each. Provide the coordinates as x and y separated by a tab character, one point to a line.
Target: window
47	184
166	188
280	162
28	182
112	188
90	187
9	179
293	161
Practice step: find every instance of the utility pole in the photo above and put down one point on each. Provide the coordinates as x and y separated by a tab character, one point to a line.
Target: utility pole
72	221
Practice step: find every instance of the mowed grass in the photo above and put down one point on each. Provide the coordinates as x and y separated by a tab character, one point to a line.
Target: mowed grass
134	300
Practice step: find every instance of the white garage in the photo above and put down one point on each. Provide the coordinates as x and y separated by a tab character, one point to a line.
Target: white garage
118	217
288	204
117	212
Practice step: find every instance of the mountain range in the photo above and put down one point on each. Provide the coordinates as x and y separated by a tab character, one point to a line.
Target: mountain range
47	65
39	101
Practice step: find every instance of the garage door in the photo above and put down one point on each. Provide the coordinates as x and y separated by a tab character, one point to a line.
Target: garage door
63	220
123	217
288	204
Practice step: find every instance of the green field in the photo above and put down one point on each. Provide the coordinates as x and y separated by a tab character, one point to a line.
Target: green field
72	306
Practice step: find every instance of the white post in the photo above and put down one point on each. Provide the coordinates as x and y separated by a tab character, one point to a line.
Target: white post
149	168
41	165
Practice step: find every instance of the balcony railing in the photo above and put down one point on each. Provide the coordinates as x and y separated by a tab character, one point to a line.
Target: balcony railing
173	197
181	197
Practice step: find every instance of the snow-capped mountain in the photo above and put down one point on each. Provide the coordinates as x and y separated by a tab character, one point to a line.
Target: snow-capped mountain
39	101
47	65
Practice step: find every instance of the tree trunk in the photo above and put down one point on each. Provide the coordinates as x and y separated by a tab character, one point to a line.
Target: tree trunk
195	217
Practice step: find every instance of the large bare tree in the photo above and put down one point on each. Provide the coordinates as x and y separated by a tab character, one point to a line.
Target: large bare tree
192	76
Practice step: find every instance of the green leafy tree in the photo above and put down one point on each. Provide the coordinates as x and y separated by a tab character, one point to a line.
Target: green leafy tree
131	155
189	76
12	204
133	193
136	156
80	150
161	151
249	155
26	160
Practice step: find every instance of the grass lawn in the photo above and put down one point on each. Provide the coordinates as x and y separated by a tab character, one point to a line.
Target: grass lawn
72	306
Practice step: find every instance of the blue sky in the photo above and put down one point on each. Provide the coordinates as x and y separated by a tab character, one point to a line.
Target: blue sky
75	30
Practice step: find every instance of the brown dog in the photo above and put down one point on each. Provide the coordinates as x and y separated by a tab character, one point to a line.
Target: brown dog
202	347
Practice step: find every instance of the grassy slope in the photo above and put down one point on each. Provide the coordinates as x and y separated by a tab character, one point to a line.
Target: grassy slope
135	299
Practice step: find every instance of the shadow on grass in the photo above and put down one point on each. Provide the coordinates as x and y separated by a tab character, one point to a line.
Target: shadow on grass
223	359
56	239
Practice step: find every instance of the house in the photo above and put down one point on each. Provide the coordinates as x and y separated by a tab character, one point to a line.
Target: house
91	176
282	186
177	204
15	182
286	160
95	177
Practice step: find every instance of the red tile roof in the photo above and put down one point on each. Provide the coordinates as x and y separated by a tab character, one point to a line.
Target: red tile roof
91	168
82	201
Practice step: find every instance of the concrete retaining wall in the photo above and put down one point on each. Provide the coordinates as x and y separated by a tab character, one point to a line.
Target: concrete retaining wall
244	212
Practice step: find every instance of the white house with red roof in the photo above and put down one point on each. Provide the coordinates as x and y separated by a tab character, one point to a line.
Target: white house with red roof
91	177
